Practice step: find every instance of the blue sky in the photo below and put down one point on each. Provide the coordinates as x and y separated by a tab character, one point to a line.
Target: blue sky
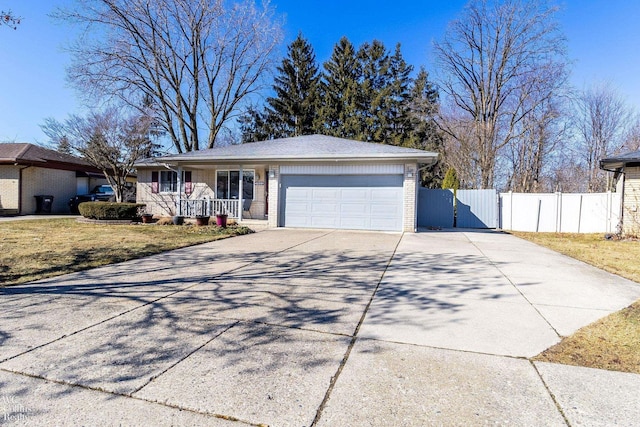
603	40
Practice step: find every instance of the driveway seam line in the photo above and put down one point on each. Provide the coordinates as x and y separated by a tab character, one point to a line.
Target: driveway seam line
352	343
169	295
129	396
551	394
494	265
198	348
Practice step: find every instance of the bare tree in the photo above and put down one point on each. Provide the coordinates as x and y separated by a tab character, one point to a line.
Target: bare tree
498	63
538	149
602	121
109	140
9	19
196	60
632	138
461	151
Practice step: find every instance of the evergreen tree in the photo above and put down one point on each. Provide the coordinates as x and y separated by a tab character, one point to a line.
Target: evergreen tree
340	89
399	126
254	126
374	91
450	180
294	107
292	111
424	132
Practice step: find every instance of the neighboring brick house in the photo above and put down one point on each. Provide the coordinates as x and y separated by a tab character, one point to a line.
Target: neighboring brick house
310	181
626	169
28	170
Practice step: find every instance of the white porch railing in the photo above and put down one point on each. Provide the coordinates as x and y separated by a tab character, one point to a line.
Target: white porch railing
207	207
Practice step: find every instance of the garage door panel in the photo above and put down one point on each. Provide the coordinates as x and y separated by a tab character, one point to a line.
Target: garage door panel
297	193
323	208
347	202
355	209
325	193
355	194
384	211
386	195
300	207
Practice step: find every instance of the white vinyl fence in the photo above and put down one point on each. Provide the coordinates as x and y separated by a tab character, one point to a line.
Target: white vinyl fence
559	212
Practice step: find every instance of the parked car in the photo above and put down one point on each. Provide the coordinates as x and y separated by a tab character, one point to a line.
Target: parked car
102	193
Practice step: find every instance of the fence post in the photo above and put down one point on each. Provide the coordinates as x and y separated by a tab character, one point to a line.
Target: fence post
510	210
580	213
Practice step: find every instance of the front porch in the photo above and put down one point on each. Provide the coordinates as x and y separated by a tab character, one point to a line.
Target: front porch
240	192
191	208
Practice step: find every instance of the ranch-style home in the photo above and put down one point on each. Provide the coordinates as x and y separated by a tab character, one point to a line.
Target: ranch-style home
29	172
310	181
626	170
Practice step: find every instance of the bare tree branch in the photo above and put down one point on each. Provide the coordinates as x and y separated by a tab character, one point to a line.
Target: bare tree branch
196	60
500	61
109	140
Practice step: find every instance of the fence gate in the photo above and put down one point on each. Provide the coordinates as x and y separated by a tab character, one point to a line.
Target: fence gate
477	209
473	208
435	208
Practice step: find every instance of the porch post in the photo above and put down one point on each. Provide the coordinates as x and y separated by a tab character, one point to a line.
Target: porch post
179	184
240	192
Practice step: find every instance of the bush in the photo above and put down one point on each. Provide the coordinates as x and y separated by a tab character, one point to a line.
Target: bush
110	211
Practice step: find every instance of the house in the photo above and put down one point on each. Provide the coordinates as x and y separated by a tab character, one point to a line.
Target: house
626	169
28	170
311	181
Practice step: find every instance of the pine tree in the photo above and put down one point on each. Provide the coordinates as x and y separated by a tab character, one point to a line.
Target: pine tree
340	89
293	109
254	126
399	126
374	91
424	132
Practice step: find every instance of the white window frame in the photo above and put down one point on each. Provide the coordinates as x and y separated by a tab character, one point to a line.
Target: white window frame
173	184
244	171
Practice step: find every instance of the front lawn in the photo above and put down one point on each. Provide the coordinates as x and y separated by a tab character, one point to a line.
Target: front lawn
613	342
31	250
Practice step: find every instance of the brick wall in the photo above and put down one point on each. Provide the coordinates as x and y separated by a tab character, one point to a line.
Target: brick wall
410	217
631	203
60	184
274	191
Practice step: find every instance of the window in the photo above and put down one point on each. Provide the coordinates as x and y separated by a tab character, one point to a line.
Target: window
228	184
167	182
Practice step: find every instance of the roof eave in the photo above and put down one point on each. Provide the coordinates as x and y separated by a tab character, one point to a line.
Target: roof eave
431	157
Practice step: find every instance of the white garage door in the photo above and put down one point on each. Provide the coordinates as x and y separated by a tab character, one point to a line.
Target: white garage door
355	202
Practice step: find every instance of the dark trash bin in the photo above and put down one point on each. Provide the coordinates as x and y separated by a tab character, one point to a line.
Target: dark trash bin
43	204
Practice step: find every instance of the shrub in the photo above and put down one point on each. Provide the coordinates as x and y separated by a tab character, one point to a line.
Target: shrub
110	211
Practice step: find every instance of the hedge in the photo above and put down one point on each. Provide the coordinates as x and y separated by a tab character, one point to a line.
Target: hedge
109	210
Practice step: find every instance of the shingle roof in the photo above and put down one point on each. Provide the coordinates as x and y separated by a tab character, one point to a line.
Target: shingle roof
23	152
309	148
30	154
620	161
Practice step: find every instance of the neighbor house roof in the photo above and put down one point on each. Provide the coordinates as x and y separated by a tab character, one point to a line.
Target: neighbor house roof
33	155
620	161
301	148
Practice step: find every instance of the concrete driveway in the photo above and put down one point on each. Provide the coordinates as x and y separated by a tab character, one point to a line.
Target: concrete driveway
308	327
